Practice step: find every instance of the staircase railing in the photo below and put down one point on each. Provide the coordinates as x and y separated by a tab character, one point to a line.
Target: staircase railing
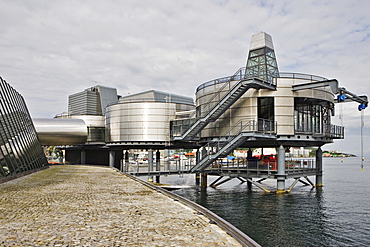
221	93
226	95
245	125
233	138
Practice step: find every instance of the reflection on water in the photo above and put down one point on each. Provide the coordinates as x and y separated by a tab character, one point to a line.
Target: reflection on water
336	215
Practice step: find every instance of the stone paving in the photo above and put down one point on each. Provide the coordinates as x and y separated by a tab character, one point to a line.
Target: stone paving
97	206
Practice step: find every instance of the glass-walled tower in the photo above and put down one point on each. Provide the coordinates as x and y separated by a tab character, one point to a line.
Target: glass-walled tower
261	61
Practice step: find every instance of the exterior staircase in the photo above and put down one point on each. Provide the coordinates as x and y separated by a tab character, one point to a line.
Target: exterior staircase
222	101
242	131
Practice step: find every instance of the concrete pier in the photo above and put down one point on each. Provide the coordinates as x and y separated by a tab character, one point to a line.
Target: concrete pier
97	206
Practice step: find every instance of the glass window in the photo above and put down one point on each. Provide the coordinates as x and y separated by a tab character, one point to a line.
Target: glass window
262	64
266	108
266	112
311	116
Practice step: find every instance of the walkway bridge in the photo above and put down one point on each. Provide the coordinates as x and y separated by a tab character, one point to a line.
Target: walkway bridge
232	89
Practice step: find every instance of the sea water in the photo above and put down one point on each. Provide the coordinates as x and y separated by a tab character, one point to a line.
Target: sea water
338	214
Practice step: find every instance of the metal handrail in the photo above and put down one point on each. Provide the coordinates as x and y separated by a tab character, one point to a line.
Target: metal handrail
180	126
301	76
336	131
331	130
245	125
227	83
232	139
217	97
239	75
281	75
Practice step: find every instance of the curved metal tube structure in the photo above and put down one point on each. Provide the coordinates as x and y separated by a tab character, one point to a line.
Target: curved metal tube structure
56	131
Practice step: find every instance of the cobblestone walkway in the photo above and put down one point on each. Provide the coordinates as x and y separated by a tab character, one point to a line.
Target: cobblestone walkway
96	206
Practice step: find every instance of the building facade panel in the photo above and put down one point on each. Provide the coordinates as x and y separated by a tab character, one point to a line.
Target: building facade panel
141	121
20	149
247	107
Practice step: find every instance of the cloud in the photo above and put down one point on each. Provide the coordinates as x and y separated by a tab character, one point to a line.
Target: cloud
51	49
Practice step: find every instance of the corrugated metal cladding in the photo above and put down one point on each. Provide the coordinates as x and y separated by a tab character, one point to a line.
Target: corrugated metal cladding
157	96
92	101
20	149
84	103
144	116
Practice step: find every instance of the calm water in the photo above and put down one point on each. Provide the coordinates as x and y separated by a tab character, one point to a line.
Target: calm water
336	215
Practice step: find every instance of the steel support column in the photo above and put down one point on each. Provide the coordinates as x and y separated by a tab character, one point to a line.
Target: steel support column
281	176
204	154
197	178
111	158
319	167
83	157
197	174
127	161
249	184
150	164
203	180
157	165
249	154
168	162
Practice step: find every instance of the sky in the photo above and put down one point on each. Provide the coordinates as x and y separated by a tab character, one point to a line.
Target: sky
51	49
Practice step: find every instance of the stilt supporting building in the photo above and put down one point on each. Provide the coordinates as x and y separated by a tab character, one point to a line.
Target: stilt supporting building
256	107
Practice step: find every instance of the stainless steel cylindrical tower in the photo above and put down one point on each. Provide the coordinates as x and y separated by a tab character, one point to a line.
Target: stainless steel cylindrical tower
141	121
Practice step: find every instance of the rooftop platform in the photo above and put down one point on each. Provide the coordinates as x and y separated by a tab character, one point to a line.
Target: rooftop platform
97	206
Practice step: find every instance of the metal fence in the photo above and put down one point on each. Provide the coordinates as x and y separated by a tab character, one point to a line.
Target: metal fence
242	165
